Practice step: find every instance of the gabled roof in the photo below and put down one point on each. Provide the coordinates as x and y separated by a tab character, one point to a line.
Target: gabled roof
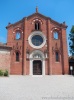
41	15
38	14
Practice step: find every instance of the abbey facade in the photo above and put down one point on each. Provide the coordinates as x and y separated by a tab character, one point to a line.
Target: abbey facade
39	46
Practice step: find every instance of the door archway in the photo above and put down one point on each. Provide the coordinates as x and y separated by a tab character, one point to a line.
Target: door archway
37	63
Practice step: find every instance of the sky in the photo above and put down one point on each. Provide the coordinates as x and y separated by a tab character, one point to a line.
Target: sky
14	10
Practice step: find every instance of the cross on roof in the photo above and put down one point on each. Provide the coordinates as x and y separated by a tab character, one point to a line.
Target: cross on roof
36	9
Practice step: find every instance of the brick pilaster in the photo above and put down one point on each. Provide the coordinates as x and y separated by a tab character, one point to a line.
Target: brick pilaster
49	40
64	52
24	46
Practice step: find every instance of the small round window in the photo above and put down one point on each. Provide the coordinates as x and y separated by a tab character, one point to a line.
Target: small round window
37	40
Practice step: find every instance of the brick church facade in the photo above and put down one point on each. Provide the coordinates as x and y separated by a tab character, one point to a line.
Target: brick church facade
39	46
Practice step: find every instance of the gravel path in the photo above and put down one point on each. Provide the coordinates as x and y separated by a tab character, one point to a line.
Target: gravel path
53	87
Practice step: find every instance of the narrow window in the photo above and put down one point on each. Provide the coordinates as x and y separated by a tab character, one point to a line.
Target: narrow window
17	35
17	56
57	56
55	35
37	26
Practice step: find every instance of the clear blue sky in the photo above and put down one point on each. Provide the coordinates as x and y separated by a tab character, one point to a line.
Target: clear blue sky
14	10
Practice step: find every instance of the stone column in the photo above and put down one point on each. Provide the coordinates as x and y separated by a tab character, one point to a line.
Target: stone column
31	67
43	67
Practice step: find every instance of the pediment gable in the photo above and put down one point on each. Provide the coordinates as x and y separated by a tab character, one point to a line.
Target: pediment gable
38	15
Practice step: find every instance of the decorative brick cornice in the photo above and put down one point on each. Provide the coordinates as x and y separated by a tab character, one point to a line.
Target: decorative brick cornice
37	14
2	46
10	25
61	25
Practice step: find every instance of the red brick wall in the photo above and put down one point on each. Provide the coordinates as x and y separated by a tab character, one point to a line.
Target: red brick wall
5	59
65	52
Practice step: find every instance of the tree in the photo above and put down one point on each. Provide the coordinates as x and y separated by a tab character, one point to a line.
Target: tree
71	43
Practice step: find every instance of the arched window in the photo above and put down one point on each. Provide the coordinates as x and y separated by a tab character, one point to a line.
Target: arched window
37	26
56	35
17	56
57	56
18	35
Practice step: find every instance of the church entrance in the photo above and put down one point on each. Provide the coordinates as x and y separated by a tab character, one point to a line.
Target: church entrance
37	67
37	63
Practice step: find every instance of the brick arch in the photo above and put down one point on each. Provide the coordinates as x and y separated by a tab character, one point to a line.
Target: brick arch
37	52
55	29
17	29
17	51
37	20
37	24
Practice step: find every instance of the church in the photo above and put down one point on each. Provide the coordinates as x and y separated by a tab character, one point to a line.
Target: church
39	46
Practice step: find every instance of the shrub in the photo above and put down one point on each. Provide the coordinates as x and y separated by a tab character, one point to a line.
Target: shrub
6	73
1	73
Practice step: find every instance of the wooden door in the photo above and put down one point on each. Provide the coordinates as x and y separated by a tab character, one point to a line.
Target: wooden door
37	67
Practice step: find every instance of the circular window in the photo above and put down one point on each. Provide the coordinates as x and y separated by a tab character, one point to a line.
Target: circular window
37	39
